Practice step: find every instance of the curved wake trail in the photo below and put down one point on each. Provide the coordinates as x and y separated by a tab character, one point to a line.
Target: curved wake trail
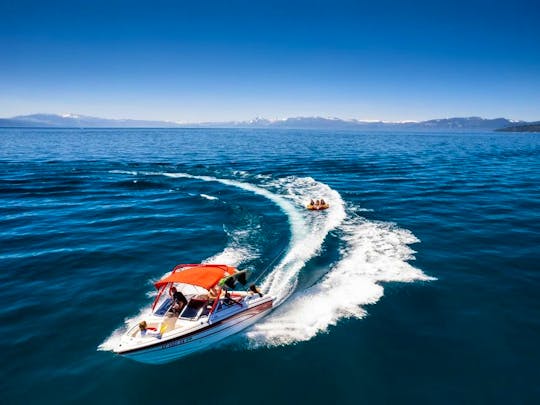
371	253
308	232
374	252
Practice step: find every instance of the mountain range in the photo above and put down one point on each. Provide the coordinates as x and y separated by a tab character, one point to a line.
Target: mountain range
78	121
443	124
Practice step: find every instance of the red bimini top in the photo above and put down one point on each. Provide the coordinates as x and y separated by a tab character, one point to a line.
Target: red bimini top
202	275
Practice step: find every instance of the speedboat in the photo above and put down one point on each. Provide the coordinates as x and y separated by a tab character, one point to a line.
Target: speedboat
212	312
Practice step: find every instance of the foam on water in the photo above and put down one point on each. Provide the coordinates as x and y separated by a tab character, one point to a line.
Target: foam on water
373	252
308	231
238	249
208	197
281	282
131	172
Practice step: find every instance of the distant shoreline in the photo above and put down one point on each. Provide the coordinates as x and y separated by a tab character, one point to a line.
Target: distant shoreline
521	128
326	130
395	130
351	130
456	124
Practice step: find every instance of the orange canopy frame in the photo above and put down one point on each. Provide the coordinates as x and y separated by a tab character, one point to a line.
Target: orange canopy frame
202	275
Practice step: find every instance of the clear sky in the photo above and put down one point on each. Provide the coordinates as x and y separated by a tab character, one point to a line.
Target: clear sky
235	60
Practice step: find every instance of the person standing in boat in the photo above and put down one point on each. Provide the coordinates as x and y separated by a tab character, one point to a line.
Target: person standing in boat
179	300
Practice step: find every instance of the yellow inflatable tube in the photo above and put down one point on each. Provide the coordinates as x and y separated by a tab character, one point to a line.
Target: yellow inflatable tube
319	207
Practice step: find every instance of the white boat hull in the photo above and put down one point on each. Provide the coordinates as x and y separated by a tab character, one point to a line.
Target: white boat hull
167	350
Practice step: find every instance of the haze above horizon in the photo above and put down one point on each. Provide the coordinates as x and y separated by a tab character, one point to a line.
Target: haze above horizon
179	61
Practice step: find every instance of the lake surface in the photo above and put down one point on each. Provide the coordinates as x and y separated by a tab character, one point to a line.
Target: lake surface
420	284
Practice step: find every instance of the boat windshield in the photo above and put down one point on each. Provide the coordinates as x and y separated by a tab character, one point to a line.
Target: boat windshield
164	300
194	308
165	305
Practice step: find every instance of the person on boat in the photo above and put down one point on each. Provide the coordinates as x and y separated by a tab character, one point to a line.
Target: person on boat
317	203
254	290
145	330
213	294
179	300
228	300
312	203
323	202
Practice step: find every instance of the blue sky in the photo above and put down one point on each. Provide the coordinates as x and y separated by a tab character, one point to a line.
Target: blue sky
233	60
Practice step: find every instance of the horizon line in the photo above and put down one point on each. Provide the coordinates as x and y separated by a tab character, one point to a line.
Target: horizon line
262	118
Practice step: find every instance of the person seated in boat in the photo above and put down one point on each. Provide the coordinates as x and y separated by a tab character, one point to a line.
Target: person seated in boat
311	202
317	203
179	300
323	202
145	330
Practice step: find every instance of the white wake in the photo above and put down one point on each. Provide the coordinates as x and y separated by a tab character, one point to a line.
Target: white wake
374	252
308	231
371	253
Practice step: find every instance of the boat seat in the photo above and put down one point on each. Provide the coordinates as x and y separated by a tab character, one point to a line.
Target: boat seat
168	323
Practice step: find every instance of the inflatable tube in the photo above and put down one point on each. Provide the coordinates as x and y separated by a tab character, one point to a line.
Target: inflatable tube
317	207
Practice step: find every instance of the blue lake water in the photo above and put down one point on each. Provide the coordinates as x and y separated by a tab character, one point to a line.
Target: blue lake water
421	283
